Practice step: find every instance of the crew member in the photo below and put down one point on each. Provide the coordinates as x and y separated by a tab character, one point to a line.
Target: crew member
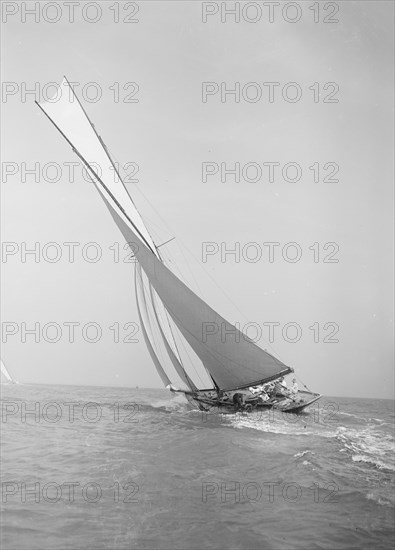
294	387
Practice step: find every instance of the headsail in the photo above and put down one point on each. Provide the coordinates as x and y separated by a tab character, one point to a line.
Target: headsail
232	360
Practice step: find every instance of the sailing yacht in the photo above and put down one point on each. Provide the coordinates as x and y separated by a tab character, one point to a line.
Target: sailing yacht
180	329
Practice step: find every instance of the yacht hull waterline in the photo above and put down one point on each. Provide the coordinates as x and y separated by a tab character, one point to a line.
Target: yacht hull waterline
179	328
207	401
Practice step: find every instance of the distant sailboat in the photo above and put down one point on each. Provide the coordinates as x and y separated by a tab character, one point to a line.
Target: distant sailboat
6	377
183	334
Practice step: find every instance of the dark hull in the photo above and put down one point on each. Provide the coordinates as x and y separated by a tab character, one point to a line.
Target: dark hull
206	402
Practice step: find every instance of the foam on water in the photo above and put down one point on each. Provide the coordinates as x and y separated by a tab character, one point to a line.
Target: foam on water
369	446
171	452
177	403
382	501
302	453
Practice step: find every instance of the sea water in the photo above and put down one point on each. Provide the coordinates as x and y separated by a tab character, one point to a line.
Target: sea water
103	468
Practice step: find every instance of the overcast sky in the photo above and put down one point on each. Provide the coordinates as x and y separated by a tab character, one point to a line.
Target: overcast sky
169	132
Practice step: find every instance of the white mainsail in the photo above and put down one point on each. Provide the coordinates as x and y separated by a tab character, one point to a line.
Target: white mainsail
227	363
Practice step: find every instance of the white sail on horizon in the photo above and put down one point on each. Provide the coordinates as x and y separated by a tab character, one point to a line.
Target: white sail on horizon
6	377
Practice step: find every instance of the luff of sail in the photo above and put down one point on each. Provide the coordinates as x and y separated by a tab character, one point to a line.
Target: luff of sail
233	361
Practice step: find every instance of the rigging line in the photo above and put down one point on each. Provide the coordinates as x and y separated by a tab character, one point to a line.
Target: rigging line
181	276
169	230
151	222
190	270
167	256
168	241
301	381
105	150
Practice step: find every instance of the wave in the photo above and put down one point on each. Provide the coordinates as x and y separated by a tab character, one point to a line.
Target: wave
369	446
369	420
342	413
371	460
380	499
302	453
280	427
177	403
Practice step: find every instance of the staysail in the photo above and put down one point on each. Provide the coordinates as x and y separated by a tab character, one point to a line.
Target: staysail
162	373
232	360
